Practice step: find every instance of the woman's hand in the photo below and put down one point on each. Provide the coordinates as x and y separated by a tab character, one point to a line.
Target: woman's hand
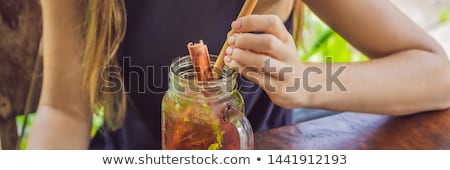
264	51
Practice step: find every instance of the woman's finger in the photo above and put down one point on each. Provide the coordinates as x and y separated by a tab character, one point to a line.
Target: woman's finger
260	43
266	82
234	65
270	24
256	62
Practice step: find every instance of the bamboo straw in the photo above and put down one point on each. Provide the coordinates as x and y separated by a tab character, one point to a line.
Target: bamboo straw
247	9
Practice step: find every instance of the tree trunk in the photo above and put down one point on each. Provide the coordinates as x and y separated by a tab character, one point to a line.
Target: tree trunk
20	35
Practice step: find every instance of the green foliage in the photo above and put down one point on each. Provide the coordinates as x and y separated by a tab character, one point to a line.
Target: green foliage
97	122
444	15
20	120
321	42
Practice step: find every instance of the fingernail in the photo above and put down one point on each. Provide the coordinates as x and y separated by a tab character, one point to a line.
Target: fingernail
232	39
236	24
227	59
229	51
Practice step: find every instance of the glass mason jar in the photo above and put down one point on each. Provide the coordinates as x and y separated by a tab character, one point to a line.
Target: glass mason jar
203	114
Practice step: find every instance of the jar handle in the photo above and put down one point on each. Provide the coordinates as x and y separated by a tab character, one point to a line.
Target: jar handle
243	127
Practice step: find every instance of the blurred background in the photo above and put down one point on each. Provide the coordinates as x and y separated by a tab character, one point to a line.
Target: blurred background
320	41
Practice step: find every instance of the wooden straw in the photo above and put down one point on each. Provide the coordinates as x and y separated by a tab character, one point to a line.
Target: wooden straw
247	9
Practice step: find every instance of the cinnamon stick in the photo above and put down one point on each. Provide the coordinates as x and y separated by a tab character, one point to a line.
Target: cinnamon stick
247	9
201	60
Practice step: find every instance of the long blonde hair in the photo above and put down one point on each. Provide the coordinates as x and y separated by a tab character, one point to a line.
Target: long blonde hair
105	26
297	24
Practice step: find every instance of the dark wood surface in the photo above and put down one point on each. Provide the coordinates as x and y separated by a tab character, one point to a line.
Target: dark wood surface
345	131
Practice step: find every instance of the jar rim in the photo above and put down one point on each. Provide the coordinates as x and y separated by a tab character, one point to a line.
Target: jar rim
182	78
228	74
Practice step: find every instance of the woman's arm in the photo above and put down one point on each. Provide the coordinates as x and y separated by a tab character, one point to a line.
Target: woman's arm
63	119
409	72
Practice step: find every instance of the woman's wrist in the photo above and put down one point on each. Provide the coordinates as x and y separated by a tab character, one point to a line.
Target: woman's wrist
304	82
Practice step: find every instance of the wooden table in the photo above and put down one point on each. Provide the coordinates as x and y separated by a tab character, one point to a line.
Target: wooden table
423	131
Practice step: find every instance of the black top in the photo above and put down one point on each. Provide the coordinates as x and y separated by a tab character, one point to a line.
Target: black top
157	32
